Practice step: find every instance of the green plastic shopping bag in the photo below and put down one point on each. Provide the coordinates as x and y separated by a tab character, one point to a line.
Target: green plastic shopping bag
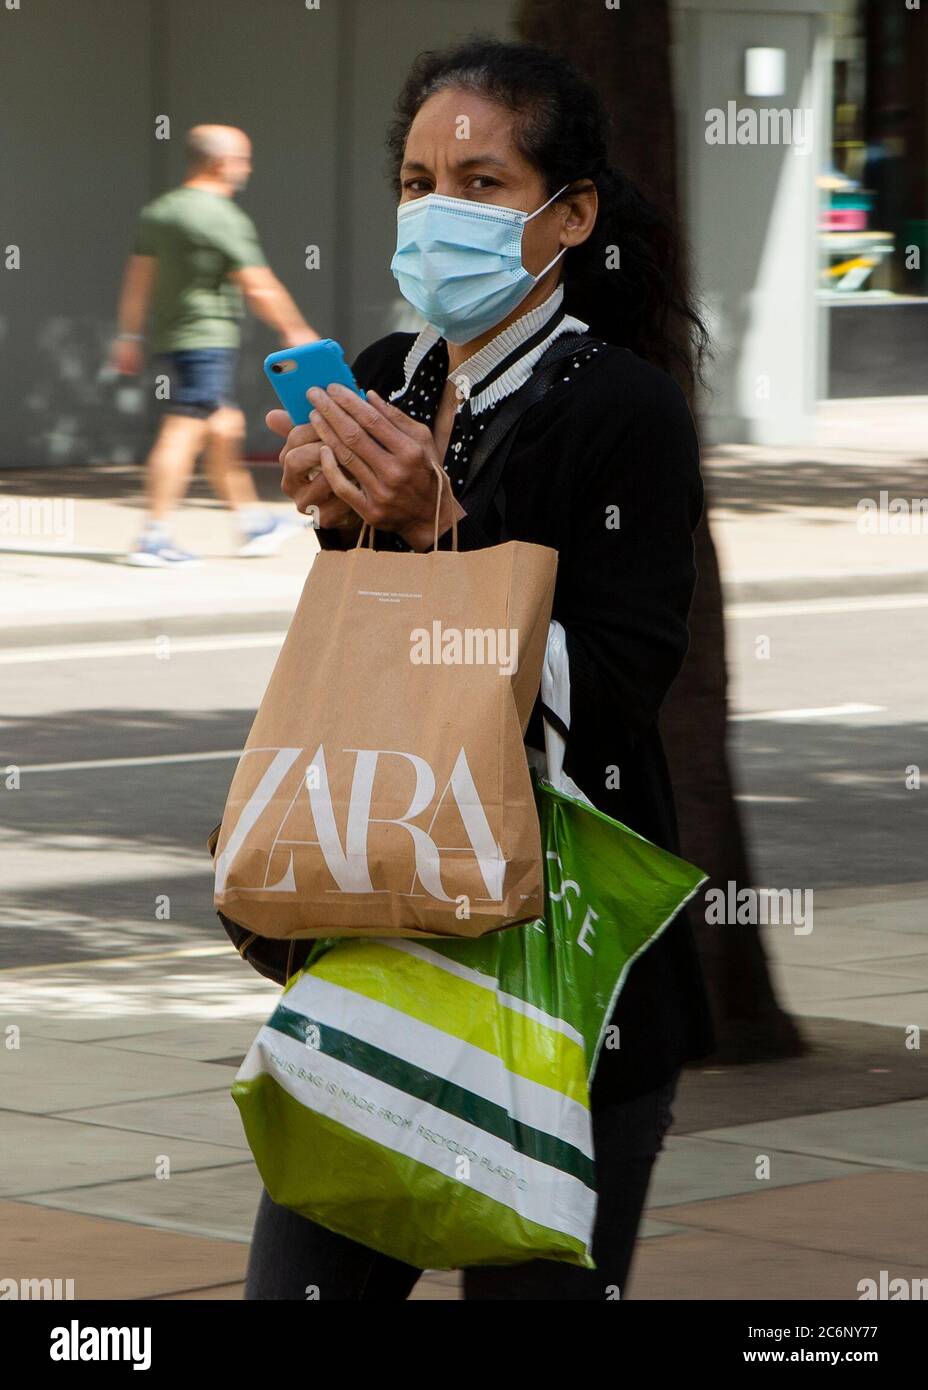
430	1098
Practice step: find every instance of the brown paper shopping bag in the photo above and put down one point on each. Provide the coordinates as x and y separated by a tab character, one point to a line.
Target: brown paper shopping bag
384	789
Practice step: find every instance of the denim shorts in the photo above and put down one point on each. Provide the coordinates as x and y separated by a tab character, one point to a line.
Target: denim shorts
200	380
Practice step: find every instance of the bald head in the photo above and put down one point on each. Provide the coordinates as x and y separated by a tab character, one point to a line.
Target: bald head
222	152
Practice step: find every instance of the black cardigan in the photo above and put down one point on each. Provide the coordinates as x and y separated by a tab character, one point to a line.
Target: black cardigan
613	432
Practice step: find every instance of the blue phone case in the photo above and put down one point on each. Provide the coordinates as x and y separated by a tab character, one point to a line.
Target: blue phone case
317	364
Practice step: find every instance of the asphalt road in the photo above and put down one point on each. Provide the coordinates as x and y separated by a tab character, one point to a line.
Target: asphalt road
114	804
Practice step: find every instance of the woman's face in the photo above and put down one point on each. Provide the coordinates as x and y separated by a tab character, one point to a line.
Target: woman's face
460	145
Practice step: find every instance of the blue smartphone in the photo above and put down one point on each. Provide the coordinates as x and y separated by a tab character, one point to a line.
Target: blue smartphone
293	371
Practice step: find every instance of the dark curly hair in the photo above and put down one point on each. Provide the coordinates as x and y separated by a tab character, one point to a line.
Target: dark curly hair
560	127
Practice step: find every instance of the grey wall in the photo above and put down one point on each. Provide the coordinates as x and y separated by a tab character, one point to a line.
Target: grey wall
751	216
81	82
74	162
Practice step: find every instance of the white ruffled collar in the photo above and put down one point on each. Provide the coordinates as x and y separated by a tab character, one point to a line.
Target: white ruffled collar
469	374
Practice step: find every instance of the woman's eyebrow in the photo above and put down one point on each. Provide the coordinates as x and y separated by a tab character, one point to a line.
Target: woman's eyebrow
468	163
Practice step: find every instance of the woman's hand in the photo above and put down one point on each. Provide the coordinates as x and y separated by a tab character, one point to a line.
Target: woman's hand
302	478
392	461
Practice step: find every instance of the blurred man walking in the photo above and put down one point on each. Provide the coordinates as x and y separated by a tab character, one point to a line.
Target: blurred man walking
196	264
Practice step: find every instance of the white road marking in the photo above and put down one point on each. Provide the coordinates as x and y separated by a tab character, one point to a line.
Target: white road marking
93	763
98	651
823	712
89	962
176	646
768	799
797	607
243	641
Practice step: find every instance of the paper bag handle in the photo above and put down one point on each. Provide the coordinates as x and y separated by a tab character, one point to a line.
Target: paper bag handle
366	533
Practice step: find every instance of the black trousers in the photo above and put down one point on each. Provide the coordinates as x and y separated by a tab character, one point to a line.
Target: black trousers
294	1258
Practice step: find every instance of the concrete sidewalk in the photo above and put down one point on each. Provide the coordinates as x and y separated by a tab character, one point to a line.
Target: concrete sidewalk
124	1066
65	571
785	523
788	522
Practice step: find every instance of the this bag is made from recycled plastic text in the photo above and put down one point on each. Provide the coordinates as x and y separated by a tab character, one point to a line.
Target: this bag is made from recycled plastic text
430	1099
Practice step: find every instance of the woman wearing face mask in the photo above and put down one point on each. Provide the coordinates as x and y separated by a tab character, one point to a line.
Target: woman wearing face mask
514	244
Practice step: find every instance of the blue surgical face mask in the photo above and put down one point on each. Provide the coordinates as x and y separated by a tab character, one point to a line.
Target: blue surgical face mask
460	263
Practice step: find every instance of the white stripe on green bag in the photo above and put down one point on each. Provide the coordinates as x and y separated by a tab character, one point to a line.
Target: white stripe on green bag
421	990
363	1103
483	1073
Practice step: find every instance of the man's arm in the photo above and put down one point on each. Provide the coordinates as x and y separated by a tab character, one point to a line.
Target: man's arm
138	281
267	299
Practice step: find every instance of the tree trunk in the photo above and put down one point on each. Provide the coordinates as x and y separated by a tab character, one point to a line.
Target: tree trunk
625	52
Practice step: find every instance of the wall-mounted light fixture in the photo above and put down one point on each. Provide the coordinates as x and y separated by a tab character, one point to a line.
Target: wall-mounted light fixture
765	72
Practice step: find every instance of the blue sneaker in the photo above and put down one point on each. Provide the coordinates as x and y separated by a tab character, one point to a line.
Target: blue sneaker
158	552
268	538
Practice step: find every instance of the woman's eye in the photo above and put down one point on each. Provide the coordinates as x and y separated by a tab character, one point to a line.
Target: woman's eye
479	183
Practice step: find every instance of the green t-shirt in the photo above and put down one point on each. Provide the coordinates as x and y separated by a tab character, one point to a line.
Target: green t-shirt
199	238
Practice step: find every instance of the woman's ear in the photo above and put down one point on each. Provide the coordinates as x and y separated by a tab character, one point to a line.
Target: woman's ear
582	208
